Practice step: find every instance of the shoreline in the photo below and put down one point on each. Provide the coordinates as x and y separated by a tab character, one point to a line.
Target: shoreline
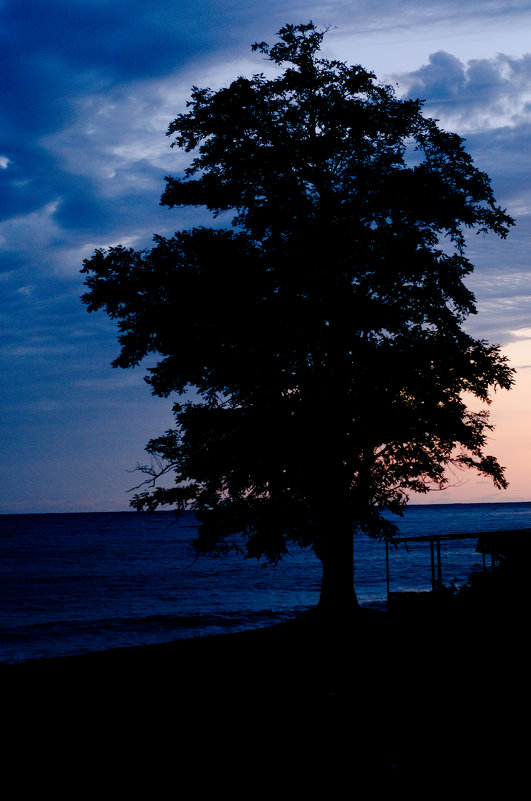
380	698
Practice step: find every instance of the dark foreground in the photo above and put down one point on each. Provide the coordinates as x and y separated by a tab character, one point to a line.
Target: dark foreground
421	700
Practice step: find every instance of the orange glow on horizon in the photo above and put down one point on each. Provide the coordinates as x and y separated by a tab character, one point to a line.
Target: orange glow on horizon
510	441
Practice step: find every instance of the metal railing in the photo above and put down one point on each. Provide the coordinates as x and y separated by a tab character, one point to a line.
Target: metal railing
494	543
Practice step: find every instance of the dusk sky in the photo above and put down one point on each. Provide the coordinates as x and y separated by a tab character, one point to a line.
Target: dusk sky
88	90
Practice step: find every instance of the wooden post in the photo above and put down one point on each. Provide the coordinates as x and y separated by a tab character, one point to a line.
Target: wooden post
387	570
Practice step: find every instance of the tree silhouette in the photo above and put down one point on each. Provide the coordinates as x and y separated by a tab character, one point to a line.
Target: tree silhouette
322	331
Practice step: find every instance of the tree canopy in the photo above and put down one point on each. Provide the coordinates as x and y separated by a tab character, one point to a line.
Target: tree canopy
322	329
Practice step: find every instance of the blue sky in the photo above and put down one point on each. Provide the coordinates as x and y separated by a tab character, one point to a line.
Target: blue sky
88	90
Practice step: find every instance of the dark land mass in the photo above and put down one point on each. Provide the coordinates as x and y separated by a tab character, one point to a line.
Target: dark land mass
430	698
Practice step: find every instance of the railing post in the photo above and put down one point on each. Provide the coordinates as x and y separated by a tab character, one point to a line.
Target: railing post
387	570
439	571
432	558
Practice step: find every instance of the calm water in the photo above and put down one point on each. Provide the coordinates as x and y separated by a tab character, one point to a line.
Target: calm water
74	583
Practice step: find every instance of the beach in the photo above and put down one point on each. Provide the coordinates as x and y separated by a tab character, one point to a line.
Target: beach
416	700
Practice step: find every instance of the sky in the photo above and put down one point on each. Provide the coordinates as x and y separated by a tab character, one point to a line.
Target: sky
88	90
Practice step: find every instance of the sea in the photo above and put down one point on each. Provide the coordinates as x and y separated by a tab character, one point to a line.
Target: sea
75	583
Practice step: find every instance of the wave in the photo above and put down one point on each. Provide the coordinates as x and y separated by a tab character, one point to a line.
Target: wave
67	637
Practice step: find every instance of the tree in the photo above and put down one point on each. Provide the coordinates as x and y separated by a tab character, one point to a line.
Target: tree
322	330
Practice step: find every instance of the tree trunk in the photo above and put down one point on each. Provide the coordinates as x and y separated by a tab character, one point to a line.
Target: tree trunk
338	597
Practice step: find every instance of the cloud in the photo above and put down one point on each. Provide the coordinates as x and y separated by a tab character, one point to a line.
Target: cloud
488	101
27	234
65	61
368	16
482	94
